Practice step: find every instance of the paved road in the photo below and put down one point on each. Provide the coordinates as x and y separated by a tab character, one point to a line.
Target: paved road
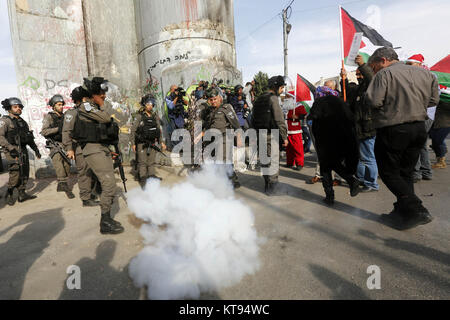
310	251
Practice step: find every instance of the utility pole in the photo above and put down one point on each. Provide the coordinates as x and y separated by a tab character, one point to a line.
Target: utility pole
286	30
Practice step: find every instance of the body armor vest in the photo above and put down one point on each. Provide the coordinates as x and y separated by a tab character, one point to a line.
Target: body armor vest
57	123
262	113
20	132
91	132
148	130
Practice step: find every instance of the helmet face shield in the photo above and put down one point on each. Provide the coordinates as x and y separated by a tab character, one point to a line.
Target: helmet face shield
104	86
96	86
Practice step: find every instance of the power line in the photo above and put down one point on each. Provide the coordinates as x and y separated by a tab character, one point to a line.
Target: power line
257	29
288	7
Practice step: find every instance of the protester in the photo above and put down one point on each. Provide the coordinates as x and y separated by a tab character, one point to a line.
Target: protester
295	156
367	172
399	95
336	142
331	85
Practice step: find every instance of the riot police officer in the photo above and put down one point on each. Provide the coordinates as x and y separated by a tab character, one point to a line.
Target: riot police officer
74	151
52	131
15	135
267	115
145	133
221	116
95	131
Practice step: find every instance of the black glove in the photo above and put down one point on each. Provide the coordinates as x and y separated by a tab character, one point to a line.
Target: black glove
14	153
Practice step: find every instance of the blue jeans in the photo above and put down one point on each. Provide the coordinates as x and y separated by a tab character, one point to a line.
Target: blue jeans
367	171
438	137
423	166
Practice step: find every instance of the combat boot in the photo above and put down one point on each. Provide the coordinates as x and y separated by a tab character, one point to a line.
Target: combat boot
23	196
60	187
90	203
142	183
271	189
109	226
67	190
440	164
10	197
63	187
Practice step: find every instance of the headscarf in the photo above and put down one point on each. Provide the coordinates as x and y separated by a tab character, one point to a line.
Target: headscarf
325	91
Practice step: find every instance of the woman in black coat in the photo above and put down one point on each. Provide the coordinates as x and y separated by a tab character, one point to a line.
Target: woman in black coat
336	142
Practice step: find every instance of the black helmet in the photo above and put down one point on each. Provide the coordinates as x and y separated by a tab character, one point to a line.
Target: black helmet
276	82
211	93
8	103
237	88
149	98
96	85
55	99
79	93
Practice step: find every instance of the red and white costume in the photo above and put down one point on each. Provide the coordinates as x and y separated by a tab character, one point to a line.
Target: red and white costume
294	151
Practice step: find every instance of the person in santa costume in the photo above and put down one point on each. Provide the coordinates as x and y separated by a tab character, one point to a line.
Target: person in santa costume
417	60
294	151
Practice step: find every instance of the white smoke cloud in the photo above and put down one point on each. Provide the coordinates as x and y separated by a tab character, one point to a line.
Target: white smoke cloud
209	241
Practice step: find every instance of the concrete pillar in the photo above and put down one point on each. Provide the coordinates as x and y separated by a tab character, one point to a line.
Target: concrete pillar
111	52
184	41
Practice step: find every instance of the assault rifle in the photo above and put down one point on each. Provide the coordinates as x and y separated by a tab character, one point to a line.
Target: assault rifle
22	157
117	156
156	148
53	144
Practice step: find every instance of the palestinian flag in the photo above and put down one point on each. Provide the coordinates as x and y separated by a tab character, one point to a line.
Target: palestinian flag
305	92
442	71
371	40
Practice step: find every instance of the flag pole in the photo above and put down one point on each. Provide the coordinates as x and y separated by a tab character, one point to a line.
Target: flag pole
342	52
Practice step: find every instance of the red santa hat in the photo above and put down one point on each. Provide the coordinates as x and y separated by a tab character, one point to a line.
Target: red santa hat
417	58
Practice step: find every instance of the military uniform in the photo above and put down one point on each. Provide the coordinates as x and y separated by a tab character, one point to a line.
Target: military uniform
95	130
85	174
267	114
145	132
223	118
12	130
52	129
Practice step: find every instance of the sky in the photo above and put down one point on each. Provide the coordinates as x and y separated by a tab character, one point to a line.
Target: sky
418	26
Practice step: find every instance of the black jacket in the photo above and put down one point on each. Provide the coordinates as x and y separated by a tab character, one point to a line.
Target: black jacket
334	130
355	99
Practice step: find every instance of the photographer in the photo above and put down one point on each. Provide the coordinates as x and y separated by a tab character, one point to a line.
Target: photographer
240	106
176	103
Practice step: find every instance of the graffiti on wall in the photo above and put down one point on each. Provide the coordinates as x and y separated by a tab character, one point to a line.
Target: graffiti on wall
168	60
36	94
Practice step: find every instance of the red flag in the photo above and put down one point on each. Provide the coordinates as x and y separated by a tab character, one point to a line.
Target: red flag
304	89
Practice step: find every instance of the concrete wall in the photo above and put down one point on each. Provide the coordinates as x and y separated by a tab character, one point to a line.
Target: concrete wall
111	43
140	46
58	42
50	56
